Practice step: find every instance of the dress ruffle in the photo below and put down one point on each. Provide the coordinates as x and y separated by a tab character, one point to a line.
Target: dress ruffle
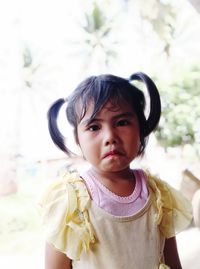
66	221
174	212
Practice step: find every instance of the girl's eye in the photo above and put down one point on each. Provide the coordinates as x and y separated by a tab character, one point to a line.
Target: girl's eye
122	123
93	128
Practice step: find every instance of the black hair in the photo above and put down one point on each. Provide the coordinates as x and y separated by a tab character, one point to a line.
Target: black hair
101	89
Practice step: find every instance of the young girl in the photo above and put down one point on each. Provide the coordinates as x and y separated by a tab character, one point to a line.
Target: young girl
111	216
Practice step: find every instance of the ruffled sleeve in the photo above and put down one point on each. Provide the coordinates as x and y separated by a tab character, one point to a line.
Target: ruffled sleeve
173	210
65	215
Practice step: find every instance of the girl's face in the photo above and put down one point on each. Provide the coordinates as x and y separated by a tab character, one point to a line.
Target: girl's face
111	140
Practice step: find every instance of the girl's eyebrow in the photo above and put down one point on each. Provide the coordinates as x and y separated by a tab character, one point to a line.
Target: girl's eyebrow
89	121
122	115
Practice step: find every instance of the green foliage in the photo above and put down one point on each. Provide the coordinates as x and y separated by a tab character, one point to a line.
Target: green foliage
180	121
99	45
95	20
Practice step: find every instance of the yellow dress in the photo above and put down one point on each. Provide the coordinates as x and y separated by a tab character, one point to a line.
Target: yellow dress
66	219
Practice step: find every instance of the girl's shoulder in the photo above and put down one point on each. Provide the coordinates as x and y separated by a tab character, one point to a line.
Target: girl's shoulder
65	216
69	187
173	210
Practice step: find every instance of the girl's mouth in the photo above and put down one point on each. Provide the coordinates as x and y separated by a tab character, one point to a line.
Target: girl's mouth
112	153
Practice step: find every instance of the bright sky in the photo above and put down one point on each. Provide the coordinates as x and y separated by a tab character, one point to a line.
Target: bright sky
50	29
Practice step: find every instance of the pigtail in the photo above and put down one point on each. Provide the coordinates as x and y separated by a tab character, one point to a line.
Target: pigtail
155	103
55	134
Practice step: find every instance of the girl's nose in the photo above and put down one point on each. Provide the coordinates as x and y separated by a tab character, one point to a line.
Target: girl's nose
110	137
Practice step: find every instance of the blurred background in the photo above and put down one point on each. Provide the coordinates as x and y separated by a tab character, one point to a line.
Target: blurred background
46	49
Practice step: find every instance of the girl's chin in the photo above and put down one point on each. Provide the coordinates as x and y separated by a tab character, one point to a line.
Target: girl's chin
113	169
114	165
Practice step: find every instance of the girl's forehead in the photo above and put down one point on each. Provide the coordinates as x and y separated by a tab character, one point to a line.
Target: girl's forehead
109	106
116	106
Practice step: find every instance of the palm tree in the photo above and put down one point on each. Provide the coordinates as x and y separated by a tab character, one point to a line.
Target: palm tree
96	41
25	133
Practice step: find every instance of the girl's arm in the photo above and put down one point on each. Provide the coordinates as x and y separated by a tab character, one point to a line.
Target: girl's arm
55	259
171	254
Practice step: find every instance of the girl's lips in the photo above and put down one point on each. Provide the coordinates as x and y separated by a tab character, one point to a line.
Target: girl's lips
112	153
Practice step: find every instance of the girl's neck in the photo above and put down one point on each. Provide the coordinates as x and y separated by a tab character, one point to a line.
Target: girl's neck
121	183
